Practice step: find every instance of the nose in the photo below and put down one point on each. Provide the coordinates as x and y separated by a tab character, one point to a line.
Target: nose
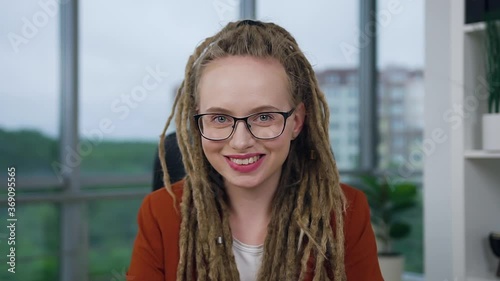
241	138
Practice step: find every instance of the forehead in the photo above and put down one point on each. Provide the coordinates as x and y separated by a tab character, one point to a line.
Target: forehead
240	84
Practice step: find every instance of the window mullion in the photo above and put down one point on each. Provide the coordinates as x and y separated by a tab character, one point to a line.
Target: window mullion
73	225
368	134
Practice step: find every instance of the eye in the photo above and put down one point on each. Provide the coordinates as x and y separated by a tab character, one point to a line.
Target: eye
265	117
220	119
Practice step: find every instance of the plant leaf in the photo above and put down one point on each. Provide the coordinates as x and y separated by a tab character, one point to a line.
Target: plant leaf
403	192
401	206
399	230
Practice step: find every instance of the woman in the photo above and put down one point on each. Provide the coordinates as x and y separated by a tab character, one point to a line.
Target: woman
262	198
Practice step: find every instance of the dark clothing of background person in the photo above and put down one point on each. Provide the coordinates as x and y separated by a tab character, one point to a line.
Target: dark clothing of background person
173	157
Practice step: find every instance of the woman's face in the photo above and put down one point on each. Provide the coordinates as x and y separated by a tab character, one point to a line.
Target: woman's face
240	86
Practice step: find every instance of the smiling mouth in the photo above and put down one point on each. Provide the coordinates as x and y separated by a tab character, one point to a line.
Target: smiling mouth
246	161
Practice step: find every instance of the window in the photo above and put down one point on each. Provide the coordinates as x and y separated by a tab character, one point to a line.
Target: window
397	93
398	143
335	142
353	141
330	51
29	134
354	93
29	111
396	109
397	125
352	79
400	102
353	126
110	247
36	242
333	79
130	72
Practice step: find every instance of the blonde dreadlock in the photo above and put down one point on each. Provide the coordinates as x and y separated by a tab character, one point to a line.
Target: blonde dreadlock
308	192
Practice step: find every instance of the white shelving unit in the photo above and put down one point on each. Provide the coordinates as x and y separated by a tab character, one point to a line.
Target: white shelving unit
474	27
478	171
463	201
481	154
481	169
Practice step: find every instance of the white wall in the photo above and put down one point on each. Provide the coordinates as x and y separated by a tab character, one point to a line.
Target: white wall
437	171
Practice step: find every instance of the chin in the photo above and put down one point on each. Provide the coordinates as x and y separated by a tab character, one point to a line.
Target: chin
242	182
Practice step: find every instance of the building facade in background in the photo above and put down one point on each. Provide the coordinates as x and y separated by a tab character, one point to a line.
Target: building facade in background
400	115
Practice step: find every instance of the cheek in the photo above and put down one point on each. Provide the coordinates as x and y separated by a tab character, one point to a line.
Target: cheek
281	145
210	147
205	145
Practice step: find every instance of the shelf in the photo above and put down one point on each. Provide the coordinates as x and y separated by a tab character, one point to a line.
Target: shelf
474	27
481	154
481	279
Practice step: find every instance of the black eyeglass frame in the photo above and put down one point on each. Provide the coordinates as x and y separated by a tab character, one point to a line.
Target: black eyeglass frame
236	119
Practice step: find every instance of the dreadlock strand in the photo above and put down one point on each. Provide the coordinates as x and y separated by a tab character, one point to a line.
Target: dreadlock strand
304	262
292	250
186	88
267	260
340	250
184	236
232	273
162	153
331	245
322	259
282	215
191	242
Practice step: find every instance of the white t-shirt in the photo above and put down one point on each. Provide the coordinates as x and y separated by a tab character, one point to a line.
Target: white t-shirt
248	259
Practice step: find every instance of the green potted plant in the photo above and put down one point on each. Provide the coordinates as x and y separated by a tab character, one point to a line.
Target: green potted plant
388	200
491	120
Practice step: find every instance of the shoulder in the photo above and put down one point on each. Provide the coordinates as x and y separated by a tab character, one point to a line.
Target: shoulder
156	254
350	192
357	207
160	198
361	262
354	197
159	206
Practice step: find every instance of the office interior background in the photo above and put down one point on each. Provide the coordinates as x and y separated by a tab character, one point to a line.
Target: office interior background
81	128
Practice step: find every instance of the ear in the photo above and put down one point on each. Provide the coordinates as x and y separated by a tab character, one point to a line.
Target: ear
298	119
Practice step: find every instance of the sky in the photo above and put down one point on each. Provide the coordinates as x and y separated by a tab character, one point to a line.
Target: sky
133	53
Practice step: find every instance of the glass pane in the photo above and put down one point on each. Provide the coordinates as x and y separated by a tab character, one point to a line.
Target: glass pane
400	108
330	43
35	237
132	61
413	246
111	247
29	81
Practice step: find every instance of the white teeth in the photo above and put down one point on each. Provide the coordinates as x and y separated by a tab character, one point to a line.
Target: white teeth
246	161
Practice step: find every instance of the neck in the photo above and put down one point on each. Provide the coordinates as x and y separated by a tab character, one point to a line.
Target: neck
250	211
250	203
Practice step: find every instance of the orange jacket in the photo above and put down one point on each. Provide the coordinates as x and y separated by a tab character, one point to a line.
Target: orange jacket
156	248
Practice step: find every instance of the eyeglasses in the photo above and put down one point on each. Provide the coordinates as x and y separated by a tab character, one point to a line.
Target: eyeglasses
262	125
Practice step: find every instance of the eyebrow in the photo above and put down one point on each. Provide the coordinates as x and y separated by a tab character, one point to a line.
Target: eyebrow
263	108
